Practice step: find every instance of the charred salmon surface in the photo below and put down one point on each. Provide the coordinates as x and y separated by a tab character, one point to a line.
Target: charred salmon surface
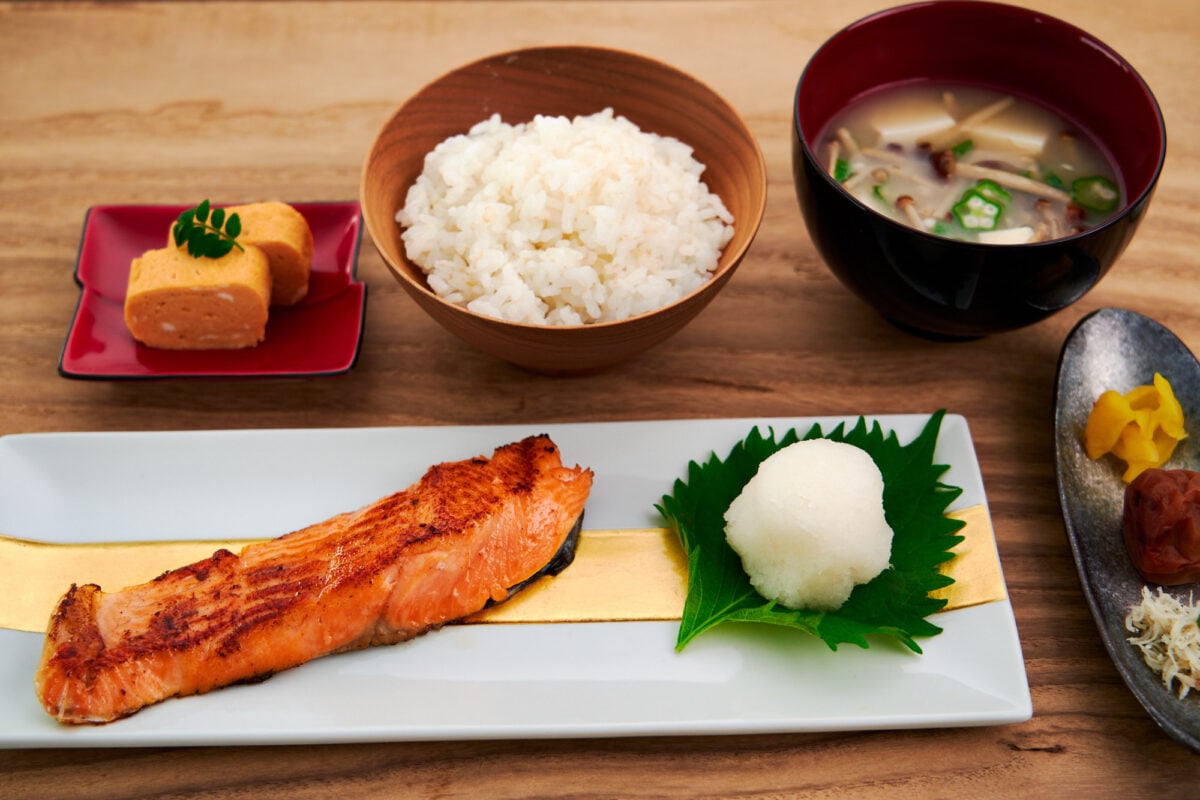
468	534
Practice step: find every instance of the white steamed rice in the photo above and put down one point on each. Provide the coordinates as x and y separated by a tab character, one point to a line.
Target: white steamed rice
563	222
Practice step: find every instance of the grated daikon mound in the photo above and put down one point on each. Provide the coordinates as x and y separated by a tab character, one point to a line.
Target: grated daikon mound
1167	634
810	526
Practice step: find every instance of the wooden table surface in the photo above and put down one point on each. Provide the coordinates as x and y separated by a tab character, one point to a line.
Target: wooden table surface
165	102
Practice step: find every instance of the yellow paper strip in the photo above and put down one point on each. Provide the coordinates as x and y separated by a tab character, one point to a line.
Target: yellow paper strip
631	575
617	575
975	567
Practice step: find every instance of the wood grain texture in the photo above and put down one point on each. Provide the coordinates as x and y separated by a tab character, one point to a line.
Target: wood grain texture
173	102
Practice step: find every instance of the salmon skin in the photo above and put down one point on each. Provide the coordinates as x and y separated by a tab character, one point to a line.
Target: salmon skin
468	534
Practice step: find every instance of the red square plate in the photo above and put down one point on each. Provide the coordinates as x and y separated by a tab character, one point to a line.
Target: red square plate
320	335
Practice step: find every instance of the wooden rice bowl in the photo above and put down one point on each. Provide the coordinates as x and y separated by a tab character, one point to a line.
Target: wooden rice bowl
566	81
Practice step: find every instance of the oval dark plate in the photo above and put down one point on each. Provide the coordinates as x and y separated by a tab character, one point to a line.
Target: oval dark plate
1118	349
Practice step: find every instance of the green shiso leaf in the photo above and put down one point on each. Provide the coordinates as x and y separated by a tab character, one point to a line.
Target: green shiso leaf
895	604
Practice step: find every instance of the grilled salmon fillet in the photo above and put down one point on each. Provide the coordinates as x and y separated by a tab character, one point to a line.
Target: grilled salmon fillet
468	534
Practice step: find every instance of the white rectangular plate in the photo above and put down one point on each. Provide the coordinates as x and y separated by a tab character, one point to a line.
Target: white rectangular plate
484	681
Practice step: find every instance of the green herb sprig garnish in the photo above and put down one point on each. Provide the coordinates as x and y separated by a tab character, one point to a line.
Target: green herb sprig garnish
207	234
895	604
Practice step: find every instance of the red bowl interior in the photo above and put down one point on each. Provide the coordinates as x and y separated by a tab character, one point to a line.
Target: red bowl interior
1003	47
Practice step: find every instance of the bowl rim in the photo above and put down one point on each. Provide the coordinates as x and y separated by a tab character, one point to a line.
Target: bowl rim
1032	15
720	273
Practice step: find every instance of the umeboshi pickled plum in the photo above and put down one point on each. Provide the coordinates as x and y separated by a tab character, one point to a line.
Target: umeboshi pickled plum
1161	525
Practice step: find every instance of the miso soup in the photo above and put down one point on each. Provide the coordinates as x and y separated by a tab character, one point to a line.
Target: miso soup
971	163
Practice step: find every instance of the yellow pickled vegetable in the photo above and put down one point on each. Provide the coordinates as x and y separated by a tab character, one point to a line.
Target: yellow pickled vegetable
1140	427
